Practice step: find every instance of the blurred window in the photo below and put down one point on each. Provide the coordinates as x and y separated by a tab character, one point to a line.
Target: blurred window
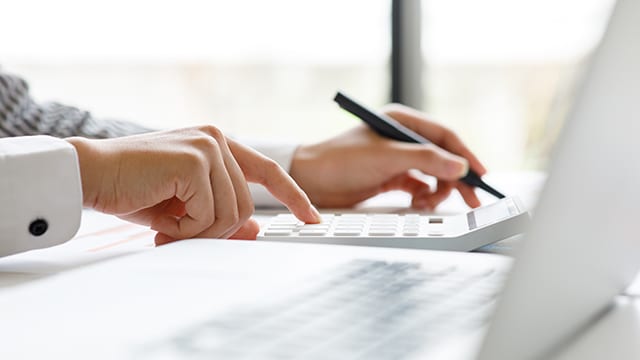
259	68
501	72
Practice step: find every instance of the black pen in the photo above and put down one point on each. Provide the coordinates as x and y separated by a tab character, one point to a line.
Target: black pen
390	128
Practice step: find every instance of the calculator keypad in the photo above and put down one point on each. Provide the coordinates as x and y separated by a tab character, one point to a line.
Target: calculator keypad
357	225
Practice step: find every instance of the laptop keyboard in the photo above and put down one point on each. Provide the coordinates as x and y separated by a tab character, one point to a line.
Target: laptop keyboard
364	309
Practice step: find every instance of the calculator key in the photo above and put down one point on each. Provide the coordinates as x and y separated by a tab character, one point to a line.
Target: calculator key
382	227
347	232
316	226
305	232
347	229
277	233
351	221
386	216
285	223
282	226
382	232
353	216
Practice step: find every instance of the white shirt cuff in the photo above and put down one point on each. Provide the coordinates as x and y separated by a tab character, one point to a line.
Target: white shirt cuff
41	193
282	153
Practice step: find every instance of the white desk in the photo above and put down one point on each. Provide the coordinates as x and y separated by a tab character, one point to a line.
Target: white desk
616	335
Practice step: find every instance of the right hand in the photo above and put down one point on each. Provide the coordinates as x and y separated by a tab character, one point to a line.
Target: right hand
325	170
183	183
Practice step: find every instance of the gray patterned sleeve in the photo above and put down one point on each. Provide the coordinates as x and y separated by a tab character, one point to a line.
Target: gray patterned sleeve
21	115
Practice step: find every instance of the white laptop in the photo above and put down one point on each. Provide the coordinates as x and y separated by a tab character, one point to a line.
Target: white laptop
207	299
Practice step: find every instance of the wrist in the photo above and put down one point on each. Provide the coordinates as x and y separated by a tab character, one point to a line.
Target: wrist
87	161
308	170
299	159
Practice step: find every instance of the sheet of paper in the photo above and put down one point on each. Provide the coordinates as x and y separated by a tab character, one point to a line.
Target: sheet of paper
100	237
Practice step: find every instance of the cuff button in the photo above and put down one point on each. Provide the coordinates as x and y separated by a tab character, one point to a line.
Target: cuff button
38	227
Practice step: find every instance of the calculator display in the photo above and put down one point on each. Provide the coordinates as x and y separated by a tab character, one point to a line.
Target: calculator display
489	214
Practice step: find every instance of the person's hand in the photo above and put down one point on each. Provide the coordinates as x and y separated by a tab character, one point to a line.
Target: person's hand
184	183
359	164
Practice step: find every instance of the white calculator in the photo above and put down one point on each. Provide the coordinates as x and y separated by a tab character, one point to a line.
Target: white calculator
462	232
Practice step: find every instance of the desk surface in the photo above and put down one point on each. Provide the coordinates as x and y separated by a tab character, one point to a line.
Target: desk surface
101	238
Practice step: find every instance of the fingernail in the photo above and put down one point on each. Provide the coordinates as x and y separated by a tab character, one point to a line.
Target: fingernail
458	169
316	214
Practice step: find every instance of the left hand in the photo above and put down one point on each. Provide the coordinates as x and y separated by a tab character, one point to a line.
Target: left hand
354	166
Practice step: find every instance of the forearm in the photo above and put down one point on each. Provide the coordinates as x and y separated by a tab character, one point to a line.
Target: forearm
21	115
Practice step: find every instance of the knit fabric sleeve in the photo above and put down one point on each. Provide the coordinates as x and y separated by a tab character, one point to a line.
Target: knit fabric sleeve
20	115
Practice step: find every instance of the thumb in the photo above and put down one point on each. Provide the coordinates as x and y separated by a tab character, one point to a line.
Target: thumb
248	231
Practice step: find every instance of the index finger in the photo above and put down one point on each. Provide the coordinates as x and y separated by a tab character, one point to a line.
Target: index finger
438	134
259	169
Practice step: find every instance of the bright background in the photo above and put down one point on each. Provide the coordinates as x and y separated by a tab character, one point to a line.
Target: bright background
499	72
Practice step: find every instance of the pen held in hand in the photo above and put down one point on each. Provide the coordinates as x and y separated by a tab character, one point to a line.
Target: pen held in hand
390	128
